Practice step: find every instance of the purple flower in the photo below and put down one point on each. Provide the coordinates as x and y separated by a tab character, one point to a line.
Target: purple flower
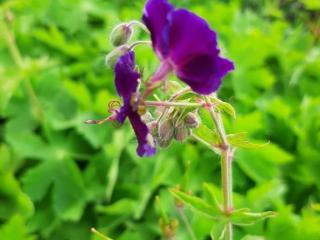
186	45
127	80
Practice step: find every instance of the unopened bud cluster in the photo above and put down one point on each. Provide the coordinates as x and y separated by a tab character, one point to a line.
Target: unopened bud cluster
170	128
179	130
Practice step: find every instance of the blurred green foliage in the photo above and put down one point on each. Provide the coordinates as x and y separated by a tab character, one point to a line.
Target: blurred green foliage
59	177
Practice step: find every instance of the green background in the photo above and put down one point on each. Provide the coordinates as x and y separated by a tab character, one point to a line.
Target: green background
59	177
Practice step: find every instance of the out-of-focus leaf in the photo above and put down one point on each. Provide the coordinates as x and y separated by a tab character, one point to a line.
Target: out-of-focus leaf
206	134
251	237
15	229
241	140
209	192
69	191
113	151
218	230
121	207
15	201
224	107
197	204
7	88
311	4
38	179
262	164
244	216
80	93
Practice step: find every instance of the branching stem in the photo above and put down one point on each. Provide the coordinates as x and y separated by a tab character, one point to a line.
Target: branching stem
226	166
171	104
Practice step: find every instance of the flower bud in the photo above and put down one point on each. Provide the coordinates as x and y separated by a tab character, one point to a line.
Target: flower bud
121	34
181	132
192	120
147	117
112	58
153	128
165	133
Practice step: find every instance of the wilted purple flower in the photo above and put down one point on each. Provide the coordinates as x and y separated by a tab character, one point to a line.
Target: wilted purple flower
186	45
126	81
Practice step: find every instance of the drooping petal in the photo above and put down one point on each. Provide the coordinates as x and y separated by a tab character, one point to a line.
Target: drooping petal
186	43
145	145
155	18
127	79
190	36
204	73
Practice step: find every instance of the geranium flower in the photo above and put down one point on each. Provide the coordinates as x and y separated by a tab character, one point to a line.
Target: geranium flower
126	81
186	45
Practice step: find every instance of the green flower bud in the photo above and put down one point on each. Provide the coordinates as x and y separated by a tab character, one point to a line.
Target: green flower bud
121	34
192	120
112	58
165	133
153	128
147	117
181	132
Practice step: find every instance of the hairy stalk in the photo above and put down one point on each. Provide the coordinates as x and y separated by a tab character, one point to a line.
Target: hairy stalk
137	43
172	98
226	166
15	53
186	223
171	104
139	24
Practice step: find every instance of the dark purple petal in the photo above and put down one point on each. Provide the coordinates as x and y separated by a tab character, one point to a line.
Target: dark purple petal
204	73
127	78
124	112
155	18
190	36
145	145
186	43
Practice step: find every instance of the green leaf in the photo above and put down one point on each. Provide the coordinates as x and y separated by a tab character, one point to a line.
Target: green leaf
14	200
250	237
8	86
122	207
15	229
218	230
206	134
80	93
5	157
113	150
38	179
209	192
69	191
244	216
241	140
262	164
224	107
25	143
96	135
311	4
197	204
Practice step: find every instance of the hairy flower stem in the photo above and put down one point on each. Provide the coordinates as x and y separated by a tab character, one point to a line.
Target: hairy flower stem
171	104
15	53
137	43
226	167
